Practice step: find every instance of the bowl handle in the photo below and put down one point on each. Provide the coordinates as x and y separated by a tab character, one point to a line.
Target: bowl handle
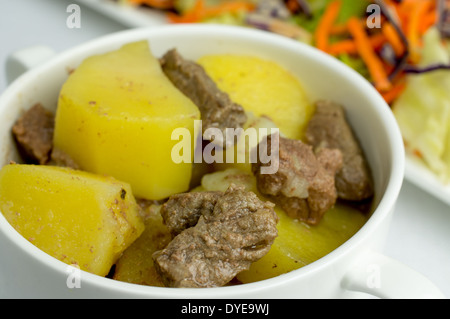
384	277
23	60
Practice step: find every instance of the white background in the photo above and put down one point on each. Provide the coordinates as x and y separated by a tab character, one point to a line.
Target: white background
420	233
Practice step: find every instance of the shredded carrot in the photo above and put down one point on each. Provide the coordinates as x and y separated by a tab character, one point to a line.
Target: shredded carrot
406	6
192	15
428	21
419	9
396	90
292	5
390	3
368	55
338	29
417	153
200	12
389	67
228	7
393	38
323	29
349	46
346	46
400	17
160	4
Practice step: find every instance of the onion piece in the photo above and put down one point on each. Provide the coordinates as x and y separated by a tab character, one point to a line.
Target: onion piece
278	26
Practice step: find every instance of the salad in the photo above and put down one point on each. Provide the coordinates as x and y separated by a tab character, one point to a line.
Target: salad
401	46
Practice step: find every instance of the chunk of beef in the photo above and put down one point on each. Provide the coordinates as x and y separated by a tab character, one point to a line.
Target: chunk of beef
240	230
60	158
33	133
216	108
304	183
329	128
182	211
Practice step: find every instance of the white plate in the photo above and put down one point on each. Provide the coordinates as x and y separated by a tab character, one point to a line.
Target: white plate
416	172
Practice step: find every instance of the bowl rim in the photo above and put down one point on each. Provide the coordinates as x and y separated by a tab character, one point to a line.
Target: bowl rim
387	200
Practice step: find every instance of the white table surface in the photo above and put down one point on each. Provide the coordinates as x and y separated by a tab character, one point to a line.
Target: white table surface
420	232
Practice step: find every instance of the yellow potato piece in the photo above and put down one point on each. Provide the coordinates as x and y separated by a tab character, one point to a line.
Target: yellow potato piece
136	264
116	115
221	180
263	88
77	217
297	244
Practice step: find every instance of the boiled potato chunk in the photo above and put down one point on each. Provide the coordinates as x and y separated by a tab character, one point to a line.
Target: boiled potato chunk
221	180
77	217
116	115
263	88
136	264
297	244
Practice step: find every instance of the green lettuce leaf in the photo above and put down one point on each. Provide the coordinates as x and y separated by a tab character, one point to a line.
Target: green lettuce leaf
350	8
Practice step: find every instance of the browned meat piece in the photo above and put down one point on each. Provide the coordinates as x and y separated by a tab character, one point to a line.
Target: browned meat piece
60	158
216	108
34	134
304	183
239	231
182	211
198	171
329	128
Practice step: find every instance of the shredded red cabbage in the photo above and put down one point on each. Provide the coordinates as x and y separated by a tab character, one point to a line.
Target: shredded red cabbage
400	63
430	68
273	9
258	21
444	18
388	54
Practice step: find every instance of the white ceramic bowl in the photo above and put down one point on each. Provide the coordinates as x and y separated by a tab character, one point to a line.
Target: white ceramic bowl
26	271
